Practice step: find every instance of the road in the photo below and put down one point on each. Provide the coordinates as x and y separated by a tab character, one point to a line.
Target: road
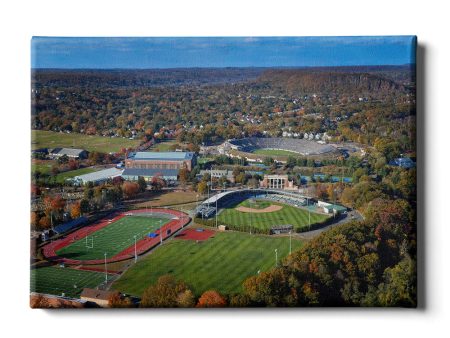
351	216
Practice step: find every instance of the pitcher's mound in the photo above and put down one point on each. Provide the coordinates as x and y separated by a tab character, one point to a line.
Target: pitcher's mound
270	208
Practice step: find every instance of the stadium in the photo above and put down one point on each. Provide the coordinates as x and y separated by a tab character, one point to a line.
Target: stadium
274	146
263	211
122	236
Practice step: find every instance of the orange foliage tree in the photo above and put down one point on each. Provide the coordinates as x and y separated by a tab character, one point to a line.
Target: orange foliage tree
130	189
211	298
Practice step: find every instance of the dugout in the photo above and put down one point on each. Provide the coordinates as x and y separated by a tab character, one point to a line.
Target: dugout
281	229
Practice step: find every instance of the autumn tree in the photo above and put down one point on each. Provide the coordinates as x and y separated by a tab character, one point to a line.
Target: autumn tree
34	219
130	189
202	187
142	184
186	299
167	292
45	222
158	182
116	300
84	206
211	298
184	175
75	210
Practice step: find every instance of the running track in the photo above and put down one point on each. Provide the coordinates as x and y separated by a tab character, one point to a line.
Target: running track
142	246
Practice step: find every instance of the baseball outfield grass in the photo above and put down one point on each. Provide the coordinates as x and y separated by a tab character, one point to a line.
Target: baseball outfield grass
299	218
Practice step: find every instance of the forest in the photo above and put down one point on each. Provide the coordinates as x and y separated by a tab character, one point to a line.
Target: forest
356	103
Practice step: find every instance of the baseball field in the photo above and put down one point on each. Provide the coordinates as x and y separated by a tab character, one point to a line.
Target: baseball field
277	214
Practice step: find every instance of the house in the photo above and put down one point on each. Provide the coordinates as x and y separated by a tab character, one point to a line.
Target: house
329	208
100	297
69	152
403	162
217	173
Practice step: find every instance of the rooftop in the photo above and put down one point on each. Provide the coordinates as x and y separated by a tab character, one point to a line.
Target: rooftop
67	151
149	172
168	155
97	294
100	175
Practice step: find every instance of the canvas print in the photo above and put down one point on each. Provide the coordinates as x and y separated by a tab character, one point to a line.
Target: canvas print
209	172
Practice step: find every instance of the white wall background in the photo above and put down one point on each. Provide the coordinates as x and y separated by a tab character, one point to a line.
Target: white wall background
20	20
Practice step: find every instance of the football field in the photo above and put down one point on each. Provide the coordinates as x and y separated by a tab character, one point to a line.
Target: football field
222	262
57	281
113	238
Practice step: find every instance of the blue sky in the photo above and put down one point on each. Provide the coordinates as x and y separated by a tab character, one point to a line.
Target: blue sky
89	52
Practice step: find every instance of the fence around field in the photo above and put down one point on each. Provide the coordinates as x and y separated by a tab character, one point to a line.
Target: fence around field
177	222
255	230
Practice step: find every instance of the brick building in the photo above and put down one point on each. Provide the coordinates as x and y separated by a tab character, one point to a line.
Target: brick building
161	160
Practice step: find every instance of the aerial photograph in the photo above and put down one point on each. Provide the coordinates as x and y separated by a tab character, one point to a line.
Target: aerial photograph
212	172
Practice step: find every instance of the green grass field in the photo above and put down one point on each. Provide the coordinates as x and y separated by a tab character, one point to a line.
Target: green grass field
62	177
222	262
274	152
299	218
42	168
50	139
55	280
163	146
113	238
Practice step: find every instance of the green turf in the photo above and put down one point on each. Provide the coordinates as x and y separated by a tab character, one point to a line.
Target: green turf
113	238
50	139
274	152
62	177
297	217
222	262
56	280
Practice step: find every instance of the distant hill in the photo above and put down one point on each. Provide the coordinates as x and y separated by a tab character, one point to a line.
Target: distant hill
340	80
129	78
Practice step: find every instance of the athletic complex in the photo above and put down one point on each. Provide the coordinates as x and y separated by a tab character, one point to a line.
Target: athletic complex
122	236
263	211
277	146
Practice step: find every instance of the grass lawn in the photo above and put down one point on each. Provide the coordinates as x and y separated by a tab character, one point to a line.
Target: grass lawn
50	139
113	238
203	160
169	198
222	262
45	167
62	177
299	218
163	146
274	152
55	280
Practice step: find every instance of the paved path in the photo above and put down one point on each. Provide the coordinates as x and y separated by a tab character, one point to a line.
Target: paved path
351	216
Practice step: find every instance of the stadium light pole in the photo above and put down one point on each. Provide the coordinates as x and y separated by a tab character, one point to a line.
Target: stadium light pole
290	242
216	212
106	271
209	187
160	231
135	251
276	257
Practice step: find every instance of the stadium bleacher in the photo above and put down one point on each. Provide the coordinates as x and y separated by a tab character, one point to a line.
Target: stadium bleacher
299	146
